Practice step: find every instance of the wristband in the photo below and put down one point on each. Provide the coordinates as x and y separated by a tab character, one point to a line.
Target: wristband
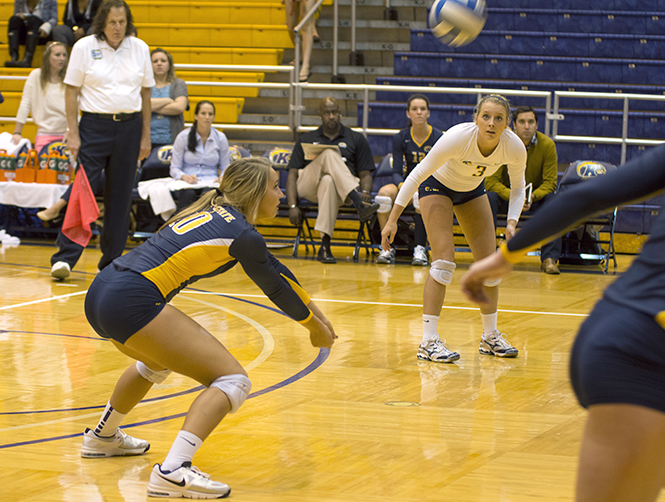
292	206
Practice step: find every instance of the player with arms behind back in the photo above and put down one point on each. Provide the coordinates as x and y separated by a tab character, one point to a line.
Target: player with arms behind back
128	303
450	181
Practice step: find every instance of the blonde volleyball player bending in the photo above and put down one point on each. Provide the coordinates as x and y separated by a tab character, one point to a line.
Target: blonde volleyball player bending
450	180
128	303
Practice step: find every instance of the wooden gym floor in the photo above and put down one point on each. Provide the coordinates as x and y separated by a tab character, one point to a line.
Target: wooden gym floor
366	421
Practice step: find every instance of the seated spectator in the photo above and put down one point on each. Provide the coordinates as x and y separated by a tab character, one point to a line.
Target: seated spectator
200	154
410	146
31	23
541	172
333	177
76	21
168	100
44	98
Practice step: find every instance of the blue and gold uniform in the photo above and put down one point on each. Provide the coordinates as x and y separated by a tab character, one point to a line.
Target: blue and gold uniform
619	354
410	151
131	292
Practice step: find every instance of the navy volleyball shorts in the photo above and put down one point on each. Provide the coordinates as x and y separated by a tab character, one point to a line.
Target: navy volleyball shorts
121	302
432	186
619	358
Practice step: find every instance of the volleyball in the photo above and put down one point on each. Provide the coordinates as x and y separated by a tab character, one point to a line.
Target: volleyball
457	22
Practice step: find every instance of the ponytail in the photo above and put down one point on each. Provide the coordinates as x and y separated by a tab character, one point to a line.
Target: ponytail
191	138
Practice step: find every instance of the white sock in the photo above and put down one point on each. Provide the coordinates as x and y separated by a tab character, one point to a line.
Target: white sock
183	449
489	323
109	422
430	323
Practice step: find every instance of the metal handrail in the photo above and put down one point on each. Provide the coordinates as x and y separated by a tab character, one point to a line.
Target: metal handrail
295	103
234	67
249	68
263	85
335	38
624	140
366	88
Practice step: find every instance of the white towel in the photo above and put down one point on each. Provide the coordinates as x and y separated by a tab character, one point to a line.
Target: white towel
6	143
158	191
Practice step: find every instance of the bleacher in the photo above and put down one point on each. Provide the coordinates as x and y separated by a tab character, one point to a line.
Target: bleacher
597	46
202	32
612	46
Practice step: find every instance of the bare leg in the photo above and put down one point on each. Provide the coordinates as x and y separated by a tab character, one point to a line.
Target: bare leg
622	457
437	214
386	191
131	386
174	341
53	211
475	218
307	38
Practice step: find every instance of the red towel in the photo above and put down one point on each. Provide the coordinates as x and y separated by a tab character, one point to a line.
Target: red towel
82	210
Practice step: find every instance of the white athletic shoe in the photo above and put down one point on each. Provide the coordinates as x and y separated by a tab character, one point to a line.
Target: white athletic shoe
497	345
185	482
419	256
119	445
387	257
436	350
60	270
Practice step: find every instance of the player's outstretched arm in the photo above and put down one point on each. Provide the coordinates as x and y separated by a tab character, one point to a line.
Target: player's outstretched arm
319	333
493	267
317	312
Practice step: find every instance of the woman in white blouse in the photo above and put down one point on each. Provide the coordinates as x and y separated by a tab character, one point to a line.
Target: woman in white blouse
44	98
200	154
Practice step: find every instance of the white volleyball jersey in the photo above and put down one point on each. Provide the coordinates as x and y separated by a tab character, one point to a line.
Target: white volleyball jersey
456	162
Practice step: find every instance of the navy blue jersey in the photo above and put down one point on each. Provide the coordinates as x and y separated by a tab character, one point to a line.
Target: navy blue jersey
207	244
407	153
642	287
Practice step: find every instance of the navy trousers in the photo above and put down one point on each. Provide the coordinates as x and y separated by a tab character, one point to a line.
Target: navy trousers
109	154
550	250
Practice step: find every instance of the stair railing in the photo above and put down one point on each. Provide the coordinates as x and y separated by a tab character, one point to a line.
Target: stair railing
297	107
624	140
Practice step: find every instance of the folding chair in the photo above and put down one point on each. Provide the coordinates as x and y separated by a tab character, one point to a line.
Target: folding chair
590	249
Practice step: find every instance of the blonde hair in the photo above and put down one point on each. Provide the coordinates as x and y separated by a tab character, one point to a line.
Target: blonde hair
243	186
45	76
497	99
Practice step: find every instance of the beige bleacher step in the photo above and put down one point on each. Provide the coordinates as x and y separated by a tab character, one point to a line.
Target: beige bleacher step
195	91
197	54
203	91
214	35
185	55
227	109
208	35
207	12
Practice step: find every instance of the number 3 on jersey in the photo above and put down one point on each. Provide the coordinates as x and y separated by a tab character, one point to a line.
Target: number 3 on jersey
480	170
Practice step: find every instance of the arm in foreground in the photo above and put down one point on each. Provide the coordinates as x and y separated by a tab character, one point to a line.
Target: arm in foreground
636	179
281	286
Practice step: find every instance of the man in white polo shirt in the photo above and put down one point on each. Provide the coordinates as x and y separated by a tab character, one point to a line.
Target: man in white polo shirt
109	79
